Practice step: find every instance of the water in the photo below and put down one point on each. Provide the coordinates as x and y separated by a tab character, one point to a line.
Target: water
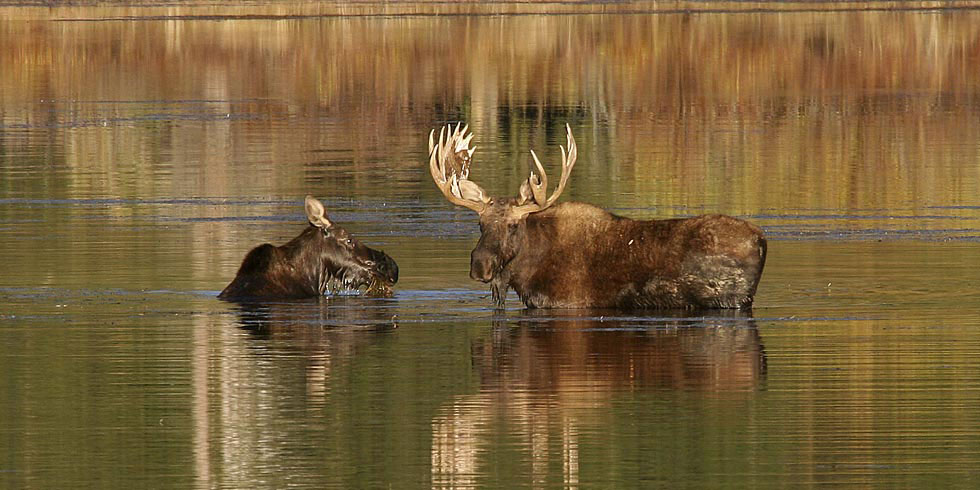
141	157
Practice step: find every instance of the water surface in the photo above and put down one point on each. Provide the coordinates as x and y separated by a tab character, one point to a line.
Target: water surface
142	156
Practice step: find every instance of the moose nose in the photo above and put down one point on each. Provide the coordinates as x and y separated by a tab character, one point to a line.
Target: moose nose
481	266
384	265
391	269
481	276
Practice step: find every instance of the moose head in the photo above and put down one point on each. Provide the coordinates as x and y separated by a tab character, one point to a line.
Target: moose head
503	221
324	258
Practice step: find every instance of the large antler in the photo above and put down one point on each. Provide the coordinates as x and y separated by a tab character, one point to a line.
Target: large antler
536	186
449	164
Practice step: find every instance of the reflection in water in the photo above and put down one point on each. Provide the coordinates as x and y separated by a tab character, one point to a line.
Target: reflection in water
541	379
707	103
267	387
300	317
318	330
141	159
563	355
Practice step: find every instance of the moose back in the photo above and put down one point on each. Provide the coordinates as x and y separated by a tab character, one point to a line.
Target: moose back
576	255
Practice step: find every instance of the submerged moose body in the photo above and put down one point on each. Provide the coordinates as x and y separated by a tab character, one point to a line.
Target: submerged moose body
324	258
576	255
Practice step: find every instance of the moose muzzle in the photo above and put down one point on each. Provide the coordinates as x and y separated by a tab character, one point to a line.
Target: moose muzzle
483	265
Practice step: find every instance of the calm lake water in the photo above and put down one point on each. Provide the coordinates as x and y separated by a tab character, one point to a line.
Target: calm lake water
142	155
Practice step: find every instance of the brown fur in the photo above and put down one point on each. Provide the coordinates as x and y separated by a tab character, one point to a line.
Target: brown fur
575	255
323	258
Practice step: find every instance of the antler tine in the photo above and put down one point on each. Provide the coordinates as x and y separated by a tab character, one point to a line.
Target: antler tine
536	186
464	143
450	180
538	182
567	163
443	150
438	175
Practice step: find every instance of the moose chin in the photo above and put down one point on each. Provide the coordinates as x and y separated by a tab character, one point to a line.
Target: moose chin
576	255
323	259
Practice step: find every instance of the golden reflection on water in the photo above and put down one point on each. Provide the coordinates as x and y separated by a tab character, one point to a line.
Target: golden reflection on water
848	113
847	121
740	112
546	383
269	375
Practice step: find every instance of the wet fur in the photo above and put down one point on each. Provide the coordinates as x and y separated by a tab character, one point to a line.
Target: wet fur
280	272
576	255
297	269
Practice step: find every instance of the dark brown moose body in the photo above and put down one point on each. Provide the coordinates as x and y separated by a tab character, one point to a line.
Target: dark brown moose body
323	258
576	255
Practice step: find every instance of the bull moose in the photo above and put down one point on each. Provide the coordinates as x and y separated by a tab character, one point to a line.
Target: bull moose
323	258
576	255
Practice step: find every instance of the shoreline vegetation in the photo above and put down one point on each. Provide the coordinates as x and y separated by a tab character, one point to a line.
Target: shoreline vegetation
203	10
877	97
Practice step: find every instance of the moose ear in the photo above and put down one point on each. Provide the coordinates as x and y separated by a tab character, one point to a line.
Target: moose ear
316	213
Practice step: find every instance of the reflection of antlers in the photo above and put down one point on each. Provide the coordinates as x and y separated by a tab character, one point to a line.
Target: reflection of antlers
449	164
536	185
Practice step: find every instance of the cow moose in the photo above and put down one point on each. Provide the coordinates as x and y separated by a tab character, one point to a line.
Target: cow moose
576	255
324	258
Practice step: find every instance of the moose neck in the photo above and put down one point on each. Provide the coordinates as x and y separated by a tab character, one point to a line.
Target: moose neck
307	265
550	259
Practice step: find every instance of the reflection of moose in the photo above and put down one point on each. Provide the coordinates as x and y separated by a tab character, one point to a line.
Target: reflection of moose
540	378
324	258
716	354
278	365
313	320
318	329
575	255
